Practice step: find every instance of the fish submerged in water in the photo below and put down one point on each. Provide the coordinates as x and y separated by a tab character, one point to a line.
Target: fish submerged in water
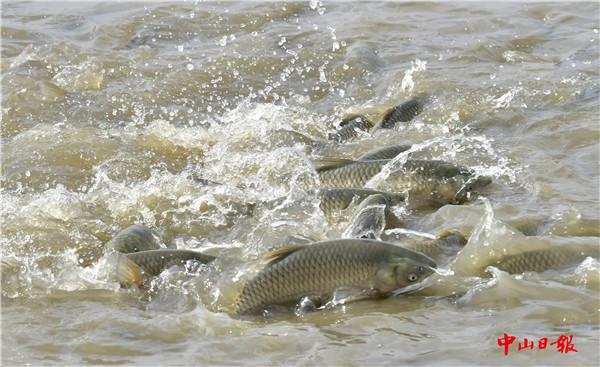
447	244
134	268
319	269
371	217
425	182
337	199
139	256
542	260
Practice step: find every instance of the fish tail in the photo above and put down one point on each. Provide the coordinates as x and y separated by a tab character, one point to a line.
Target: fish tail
128	272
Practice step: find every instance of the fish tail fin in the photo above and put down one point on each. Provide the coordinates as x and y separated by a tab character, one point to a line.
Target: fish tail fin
128	272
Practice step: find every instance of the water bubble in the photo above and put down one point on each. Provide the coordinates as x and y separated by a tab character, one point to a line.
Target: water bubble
180	48
190	67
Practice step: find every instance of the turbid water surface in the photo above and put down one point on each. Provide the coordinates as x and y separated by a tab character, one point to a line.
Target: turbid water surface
185	117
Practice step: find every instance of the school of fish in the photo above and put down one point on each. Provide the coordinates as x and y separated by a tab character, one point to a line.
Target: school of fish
300	270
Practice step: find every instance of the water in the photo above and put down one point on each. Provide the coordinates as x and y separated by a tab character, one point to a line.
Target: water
115	114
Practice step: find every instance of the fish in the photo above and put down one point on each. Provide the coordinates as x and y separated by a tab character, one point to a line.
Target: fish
346	172
132	239
337	199
350	128
402	113
369	219
447	244
425	182
134	268
469	188
319	269
389	152
542	260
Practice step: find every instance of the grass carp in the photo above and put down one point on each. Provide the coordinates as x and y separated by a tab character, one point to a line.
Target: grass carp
132	239
402	113
350	128
425	182
337	199
135	267
319	269
542	260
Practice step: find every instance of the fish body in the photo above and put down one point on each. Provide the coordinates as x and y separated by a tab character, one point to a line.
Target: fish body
369	219
337	199
350	128
132	239
426	182
133	268
349	173
447	244
402	113
542	260
389	152
320	268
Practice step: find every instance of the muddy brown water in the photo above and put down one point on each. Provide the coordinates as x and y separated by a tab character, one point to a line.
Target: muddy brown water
118	113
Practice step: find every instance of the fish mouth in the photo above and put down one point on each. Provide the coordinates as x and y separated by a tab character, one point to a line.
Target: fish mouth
408	289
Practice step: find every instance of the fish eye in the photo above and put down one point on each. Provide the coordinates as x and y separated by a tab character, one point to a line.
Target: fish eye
412	277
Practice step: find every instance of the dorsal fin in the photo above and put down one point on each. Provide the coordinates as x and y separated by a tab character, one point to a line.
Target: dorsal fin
327	163
281	253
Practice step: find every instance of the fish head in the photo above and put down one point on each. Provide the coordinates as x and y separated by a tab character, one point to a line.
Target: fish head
402	272
470	187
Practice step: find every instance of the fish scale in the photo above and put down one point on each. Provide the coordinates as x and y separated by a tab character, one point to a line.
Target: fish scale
402	113
355	174
540	260
349	128
153	262
319	269
414	174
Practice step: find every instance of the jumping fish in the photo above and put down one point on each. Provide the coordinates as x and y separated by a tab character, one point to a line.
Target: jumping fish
319	269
